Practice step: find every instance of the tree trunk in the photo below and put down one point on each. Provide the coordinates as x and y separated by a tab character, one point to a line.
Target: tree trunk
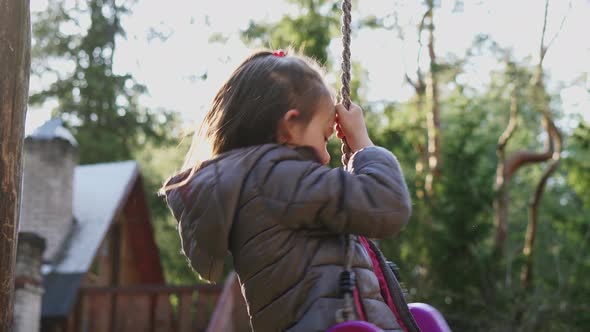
15	44
531	231
421	162
555	141
522	158
500	186
513	164
542	101
433	115
420	90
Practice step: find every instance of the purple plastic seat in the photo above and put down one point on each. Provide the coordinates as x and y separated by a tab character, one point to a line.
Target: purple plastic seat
428	318
355	326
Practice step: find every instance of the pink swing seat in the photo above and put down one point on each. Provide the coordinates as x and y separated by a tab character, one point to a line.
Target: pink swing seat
354	326
426	316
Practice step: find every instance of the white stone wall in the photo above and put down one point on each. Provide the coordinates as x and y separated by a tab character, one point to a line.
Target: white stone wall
47	191
27	309
28	292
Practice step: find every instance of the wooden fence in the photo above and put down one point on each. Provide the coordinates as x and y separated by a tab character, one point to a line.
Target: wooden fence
230	313
146	308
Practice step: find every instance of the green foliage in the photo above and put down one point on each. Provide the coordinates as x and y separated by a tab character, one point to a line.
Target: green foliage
92	97
157	163
310	32
579	162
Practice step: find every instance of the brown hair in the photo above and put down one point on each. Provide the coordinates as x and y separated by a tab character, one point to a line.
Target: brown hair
247	108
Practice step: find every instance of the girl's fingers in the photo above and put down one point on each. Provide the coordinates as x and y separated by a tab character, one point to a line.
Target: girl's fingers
339	131
340	109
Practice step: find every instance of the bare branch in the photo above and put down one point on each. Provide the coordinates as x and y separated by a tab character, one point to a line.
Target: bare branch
542	49
421	24
419	84
527	271
397	26
420	45
554	149
412	83
500	186
523	158
560	26
512	123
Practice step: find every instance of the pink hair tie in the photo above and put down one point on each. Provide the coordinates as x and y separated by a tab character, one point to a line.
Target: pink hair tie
279	53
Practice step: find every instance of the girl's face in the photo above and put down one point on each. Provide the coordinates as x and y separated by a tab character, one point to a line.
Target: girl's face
318	131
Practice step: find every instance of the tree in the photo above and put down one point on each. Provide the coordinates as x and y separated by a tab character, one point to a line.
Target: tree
419	86
92	97
507	168
433	115
555	143
427	98
310	32
14	88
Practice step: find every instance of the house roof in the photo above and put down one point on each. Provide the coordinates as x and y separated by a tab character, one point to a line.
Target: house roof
53	129
60	293
99	193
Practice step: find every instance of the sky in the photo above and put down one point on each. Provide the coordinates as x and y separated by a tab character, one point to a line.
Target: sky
170	66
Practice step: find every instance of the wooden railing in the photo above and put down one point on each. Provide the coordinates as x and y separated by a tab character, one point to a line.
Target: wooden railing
230	313
146	308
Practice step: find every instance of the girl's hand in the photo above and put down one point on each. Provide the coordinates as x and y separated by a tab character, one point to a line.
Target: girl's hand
351	124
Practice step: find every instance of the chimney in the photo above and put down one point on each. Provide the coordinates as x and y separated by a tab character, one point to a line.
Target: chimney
49	161
28	284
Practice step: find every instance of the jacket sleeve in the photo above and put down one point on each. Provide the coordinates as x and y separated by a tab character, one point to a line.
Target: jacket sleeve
370	199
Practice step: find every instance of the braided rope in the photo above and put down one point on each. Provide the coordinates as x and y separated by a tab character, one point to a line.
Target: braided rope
347	313
345	76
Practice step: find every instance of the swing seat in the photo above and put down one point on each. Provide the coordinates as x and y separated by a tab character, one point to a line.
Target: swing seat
428	318
355	326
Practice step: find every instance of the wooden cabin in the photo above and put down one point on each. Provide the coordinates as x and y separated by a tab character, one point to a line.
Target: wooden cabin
97	266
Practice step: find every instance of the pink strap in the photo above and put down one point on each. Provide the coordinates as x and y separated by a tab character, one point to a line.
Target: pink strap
382	283
358	304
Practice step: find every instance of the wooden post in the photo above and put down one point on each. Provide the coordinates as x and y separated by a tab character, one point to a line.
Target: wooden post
15	63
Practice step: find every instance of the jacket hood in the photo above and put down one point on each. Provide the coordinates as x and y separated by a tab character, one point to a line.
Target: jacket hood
205	207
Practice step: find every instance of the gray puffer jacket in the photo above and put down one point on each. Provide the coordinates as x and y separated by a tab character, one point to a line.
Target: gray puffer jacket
282	214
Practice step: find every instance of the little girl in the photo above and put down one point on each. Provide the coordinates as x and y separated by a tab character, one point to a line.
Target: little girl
267	197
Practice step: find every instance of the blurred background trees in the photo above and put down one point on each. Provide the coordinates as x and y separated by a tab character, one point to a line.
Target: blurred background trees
484	164
102	108
92	97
